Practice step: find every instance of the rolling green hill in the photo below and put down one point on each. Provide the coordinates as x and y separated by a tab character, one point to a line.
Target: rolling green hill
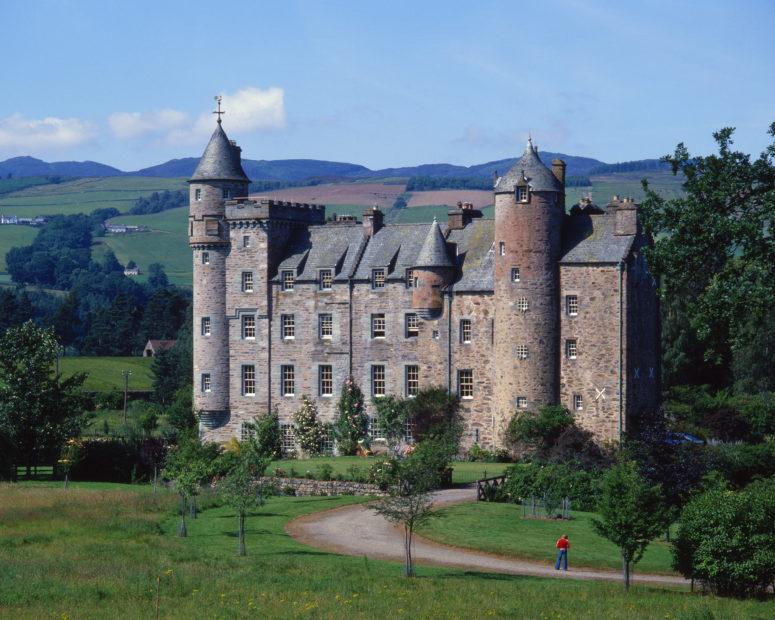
104	373
11	236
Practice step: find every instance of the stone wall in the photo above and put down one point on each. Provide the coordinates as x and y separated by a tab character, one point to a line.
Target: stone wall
303	486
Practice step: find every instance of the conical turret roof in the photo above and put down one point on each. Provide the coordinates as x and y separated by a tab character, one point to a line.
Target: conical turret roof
530	167
434	249
220	161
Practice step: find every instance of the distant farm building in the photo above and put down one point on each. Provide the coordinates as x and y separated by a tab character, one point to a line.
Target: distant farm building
134	271
153	347
122	229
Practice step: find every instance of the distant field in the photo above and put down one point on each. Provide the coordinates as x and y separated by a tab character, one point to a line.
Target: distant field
360	194
11	236
105	372
625	184
450	197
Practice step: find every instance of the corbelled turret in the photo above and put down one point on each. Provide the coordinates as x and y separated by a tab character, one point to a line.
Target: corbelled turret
433	269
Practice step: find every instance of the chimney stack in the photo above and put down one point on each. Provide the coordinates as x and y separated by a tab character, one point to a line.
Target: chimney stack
373	220
558	170
625	217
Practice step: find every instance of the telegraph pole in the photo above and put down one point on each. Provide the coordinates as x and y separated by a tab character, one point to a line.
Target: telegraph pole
126	374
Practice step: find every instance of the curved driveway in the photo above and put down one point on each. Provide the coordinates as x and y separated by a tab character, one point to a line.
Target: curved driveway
357	530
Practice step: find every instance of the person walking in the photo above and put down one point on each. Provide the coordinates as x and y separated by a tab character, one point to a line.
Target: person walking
562	544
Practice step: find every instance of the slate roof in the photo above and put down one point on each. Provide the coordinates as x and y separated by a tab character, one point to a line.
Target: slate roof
323	247
589	238
475	256
220	160
434	249
539	177
396	246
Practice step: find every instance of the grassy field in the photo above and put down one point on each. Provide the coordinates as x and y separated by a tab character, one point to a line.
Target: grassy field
500	528
11	236
104	373
99	552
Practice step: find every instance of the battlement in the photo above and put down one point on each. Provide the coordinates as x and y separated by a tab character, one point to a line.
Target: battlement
265	209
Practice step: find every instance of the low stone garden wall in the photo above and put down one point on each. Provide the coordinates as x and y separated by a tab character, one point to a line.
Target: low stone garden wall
305	486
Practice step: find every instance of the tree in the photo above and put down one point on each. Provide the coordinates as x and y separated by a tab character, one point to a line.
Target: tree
180	413
391	418
408	502
352	424
265	434
157	277
39	410
631	513
307	429
714	245
539	430
435	413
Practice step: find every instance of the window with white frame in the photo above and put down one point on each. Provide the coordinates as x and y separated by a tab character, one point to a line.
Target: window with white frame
378	380
521	193
409	431
378	325
249	326
249	380
246	431
502	248
326	279
287	380
326	380
412	380
205	258
198	195
327	442
522	352
515	274
288	438
572	305
465	330
247	281
206	382
325	326
571	349
288	326
373	429
409	278
465	383
522	304
521	402
578	402
411	325
377	278
287	280
206	326
246	241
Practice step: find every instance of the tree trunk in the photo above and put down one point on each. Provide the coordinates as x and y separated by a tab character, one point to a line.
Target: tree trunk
182	532
65	481
192	507
241	547
408	566
626	575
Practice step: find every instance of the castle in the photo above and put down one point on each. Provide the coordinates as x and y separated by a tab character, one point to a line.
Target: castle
536	307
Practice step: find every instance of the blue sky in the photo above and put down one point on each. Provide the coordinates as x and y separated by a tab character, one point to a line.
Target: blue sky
382	83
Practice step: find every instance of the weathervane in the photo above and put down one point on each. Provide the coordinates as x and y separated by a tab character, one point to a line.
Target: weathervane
219	112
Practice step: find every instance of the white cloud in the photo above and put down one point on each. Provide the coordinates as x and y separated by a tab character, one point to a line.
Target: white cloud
24	135
249	109
135	124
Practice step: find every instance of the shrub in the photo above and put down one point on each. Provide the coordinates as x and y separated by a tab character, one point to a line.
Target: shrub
118	460
351	425
476	453
552	480
433	455
266	435
539	430
109	400
742	463
391	418
383	473
325	472
435	414
306	427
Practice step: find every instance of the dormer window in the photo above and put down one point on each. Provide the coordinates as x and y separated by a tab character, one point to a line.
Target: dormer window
521	193
377	278
326	279
287	281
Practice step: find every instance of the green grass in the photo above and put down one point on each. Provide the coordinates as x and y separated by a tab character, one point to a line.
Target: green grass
104	373
12	236
14	185
500	528
93	552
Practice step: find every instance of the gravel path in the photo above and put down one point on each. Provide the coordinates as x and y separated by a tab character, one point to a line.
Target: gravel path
357	530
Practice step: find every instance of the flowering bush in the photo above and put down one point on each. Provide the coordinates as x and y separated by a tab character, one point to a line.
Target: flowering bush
383	473
307	429
352	424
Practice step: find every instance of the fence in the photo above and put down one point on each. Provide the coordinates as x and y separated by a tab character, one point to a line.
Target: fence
547	508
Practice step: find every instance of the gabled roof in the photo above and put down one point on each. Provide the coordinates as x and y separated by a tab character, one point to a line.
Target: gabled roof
590	238
396	245
539	177
323	247
160	345
475	256
434	249
220	161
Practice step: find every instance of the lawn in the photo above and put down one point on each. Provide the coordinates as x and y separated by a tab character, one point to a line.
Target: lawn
104	373
92	552
500	528
12	236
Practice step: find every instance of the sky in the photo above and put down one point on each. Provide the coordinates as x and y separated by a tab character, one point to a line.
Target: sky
131	83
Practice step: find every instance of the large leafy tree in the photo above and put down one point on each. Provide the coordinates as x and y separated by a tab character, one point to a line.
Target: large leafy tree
714	249
39	410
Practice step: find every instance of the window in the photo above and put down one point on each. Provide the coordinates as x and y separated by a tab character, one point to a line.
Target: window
409	278
502	248
206	385
571	349
378	381
326	279
465	330
246	241
247	281
465	383
226	193
522	304
409	432
326	380
205	325
287	280
377	278
211	227
325	326
190	229
246	432
377	325
572	305
578	402
249	380
435	334
373	430
288	438
326	445
412	380
205	258
522	352
521	402
249	326
411	326
287	380
198	195
288	326
515	274
521	194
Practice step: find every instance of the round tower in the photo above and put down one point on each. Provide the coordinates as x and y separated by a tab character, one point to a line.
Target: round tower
432	270
529	209
217	178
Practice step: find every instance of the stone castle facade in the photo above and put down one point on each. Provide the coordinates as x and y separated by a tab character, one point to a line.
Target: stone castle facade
536	307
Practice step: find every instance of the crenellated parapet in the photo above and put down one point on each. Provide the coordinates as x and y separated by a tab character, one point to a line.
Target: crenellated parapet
265	209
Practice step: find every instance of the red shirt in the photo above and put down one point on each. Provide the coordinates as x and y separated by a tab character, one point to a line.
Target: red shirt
562	543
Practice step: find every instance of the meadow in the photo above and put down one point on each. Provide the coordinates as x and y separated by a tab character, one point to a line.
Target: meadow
104	373
12	236
110	551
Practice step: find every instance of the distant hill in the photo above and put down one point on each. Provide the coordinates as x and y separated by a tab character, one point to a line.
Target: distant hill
31	167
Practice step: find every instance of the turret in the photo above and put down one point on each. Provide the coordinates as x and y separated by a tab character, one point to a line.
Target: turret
433	270
217	178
